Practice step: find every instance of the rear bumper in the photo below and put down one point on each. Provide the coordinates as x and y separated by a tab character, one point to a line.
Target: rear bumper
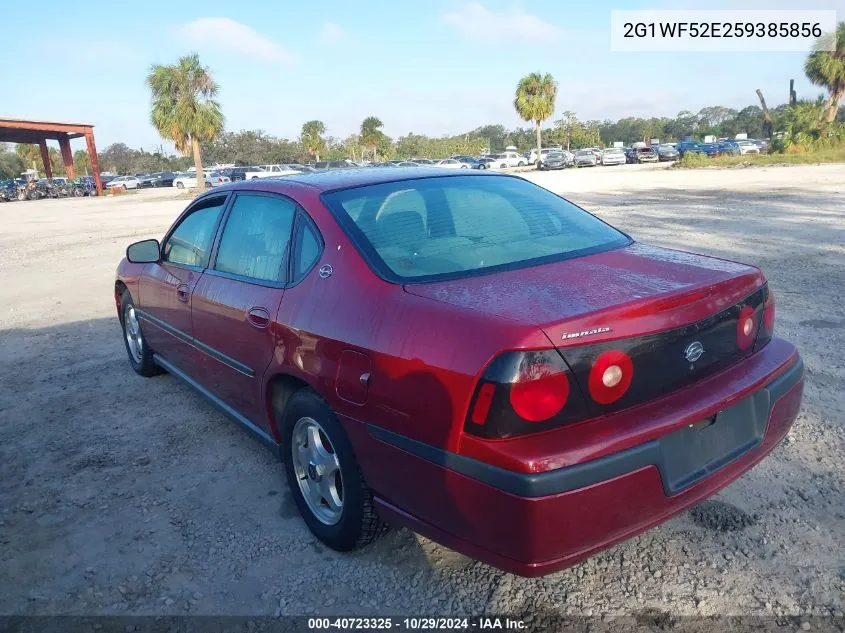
537	523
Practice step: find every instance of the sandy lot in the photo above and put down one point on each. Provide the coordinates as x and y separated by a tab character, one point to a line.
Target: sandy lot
120	495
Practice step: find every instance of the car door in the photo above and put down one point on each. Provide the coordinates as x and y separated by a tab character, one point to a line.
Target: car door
237	298
166	287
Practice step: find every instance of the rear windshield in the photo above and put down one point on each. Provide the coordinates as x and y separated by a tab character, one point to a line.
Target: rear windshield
446	227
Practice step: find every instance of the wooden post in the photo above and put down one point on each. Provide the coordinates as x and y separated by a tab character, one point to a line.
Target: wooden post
67	156
95	163
45	158
767	118
792	95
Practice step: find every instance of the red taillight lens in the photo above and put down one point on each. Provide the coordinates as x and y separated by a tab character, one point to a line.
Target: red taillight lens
610	376
769	313
540	392
746	328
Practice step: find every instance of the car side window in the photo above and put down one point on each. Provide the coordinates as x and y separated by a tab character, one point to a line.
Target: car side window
256	238
307	249
189	244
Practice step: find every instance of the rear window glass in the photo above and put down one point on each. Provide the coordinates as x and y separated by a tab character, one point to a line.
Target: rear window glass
432	228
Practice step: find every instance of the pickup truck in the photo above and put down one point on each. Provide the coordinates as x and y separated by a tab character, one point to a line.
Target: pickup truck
269	171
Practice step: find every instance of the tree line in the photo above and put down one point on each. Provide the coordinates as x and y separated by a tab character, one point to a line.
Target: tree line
185	111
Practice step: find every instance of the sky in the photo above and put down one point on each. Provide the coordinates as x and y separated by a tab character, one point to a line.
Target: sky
425	66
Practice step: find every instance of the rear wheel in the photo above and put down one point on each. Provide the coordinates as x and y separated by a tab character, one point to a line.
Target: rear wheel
208	185
521	163
324	477
180	185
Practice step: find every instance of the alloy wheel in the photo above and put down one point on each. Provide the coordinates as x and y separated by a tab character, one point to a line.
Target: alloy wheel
317	470
132	329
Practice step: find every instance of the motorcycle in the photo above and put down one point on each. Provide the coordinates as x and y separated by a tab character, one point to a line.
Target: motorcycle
34	191
8	191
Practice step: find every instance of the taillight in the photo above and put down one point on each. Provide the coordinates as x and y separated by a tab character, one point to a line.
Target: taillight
524	392
746	327
610	376
540	391
767	328
769	313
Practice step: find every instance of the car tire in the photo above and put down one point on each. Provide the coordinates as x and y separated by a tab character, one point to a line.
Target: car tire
140	354
308	420
464	166
180	185
208	185
521	163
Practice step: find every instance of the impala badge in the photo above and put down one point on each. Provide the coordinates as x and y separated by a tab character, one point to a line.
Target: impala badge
693	351
599	330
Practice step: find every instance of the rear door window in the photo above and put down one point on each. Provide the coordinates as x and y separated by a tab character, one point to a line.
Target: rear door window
256	238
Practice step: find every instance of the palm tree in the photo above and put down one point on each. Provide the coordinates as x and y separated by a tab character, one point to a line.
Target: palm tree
29	154
183	106
827	69
535	101
312	138
371	134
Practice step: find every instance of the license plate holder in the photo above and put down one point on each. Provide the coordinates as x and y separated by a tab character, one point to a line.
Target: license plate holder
700	449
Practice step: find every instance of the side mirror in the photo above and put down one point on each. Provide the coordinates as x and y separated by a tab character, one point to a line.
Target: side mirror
144	252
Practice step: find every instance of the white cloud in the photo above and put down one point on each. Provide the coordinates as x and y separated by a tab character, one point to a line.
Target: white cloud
475	22
331	33
228	36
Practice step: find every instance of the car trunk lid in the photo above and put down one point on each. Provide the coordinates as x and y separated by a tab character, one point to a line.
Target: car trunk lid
651	303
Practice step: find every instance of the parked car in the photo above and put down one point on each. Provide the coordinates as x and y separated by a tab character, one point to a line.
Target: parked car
451	163
408	163
613	156
585	158
762	145
212	179
238	173
507	159
748	147
728	147
555	160
508	408
125	182
666	152
473	163
643	155
157	179
269	171
337	164
689	146
532	155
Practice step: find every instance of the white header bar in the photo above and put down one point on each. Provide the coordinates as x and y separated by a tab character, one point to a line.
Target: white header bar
722	30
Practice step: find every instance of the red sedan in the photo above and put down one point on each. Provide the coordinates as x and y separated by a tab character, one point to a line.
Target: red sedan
469	355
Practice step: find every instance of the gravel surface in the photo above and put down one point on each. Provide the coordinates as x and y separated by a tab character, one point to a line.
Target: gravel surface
121	495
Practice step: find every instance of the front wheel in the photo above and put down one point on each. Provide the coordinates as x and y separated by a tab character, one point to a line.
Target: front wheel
208	185
140	354
180	185
324	477
521	163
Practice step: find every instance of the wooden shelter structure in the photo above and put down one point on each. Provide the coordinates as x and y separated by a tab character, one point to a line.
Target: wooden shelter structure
39	132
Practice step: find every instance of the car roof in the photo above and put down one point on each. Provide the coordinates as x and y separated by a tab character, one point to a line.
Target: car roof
332	179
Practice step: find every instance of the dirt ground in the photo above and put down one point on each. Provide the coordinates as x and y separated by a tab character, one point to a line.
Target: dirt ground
122	495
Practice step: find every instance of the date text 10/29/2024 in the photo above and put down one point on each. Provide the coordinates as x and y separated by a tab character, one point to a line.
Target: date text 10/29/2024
417	624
